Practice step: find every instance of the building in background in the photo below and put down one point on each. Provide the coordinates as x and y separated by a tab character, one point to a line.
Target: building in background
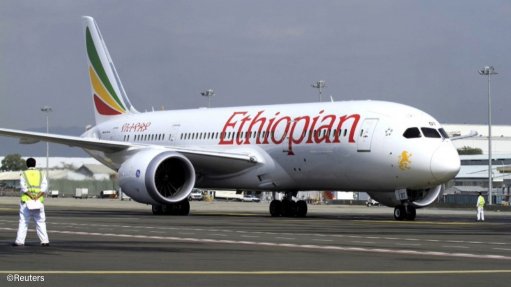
66	174
473	175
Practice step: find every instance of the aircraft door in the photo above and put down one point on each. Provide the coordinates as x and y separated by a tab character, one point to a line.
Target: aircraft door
174	133
365	136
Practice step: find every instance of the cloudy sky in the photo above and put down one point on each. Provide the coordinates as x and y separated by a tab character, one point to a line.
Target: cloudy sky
422	53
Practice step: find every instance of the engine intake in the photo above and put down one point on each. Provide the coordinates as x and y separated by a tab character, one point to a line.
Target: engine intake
157	177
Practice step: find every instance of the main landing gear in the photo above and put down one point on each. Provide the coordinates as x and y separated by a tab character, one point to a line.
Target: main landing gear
178	208
402	212
287	207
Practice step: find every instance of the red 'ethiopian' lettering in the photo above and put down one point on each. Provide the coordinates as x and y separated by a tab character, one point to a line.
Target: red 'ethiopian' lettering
277	129
228	124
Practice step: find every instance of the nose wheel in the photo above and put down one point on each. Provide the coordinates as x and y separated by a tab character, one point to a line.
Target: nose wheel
405	212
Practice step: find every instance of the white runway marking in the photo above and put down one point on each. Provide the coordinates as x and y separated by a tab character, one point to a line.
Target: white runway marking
362	242
407	244
249	236
288	245
282	235
322	240
455	246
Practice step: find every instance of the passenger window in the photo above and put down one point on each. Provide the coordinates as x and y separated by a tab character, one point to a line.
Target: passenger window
430	133
443	133
412	133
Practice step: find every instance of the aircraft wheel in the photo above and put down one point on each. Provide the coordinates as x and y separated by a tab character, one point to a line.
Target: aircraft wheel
183	207
157	209
399	212
288	208
276	208
411	212
301	208
169	209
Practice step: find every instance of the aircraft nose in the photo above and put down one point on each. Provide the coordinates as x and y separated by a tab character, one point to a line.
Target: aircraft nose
445	163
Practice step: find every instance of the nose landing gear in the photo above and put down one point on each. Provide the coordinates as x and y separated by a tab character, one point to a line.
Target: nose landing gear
405	212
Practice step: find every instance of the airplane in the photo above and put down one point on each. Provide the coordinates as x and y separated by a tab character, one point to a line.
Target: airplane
399	155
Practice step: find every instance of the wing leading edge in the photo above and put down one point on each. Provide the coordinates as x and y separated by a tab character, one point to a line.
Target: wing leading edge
225	162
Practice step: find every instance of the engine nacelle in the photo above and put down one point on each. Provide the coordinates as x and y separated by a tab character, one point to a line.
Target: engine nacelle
418	198
157	177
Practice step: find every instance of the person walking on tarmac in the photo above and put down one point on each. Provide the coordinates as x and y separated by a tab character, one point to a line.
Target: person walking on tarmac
480	207
33	188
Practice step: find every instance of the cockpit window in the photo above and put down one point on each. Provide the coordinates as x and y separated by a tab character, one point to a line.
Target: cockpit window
412	133
443	133
430	133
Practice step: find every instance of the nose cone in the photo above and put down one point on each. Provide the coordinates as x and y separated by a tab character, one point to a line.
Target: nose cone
445	163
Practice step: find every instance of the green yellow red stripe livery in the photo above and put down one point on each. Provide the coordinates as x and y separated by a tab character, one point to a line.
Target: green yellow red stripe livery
107	91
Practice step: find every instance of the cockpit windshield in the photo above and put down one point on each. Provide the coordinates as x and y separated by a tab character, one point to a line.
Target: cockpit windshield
443	133
414	132
430	133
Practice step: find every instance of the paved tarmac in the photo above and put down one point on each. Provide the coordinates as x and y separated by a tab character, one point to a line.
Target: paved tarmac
112	243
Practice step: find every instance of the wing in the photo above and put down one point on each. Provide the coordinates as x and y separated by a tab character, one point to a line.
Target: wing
27	137
204	160
470	135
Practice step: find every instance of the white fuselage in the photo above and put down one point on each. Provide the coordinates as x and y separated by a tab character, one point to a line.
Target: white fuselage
355	145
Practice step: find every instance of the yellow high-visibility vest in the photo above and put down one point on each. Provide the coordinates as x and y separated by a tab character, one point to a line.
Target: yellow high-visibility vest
480	201
33	179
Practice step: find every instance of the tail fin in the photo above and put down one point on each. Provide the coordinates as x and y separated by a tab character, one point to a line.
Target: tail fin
108	94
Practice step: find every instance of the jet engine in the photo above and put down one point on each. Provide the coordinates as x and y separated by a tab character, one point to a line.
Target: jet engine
416	197
157	177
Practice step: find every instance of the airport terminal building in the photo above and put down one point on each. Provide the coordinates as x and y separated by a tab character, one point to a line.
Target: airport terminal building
473	175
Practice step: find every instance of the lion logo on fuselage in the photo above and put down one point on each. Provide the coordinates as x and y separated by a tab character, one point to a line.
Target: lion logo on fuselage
404	160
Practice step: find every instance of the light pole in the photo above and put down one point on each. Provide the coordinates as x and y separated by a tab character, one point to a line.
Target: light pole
488	71
320	85
47	110
208	93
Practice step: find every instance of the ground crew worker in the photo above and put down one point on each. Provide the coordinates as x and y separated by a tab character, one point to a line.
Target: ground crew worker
480	207
33	188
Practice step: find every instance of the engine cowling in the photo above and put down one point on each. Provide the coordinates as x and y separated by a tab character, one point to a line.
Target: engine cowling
418	198
157	177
